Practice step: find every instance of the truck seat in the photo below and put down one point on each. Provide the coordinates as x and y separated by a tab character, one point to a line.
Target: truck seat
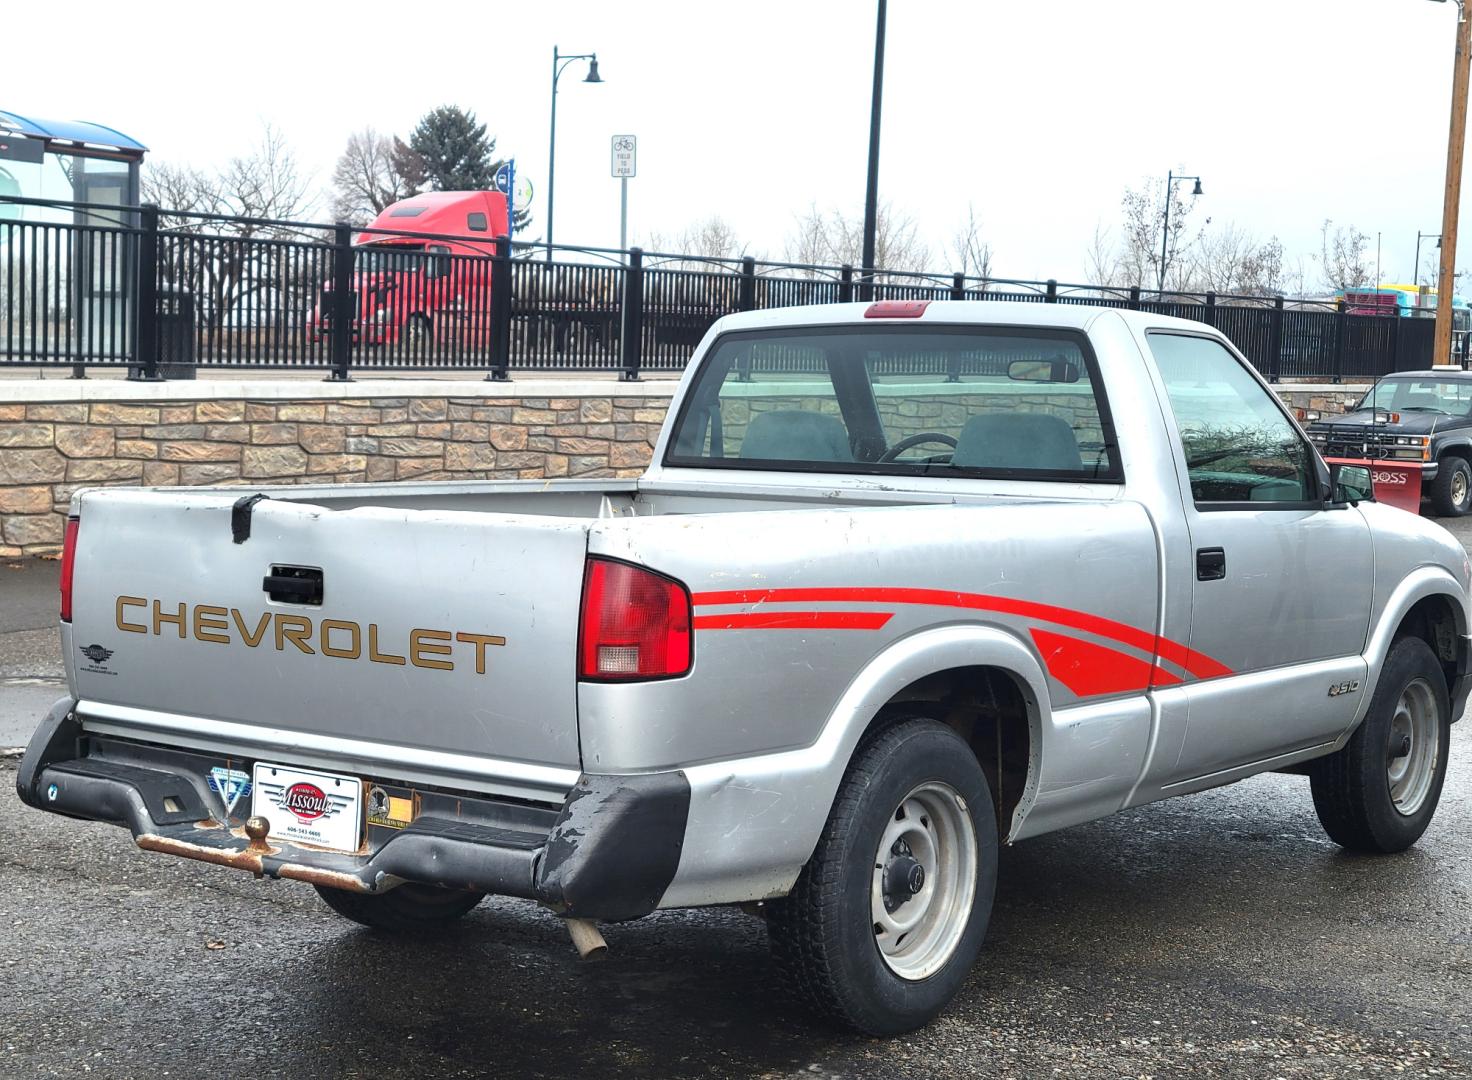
796	436
1018	441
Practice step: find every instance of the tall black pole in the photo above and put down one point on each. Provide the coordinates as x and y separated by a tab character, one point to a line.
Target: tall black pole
552	156
871	197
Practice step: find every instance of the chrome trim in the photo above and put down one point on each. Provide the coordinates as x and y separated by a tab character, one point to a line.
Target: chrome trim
519	779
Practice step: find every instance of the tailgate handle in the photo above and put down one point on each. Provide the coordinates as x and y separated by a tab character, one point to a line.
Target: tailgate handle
294	584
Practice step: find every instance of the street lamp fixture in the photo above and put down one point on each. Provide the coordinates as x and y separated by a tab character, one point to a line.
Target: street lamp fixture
560	61
1170	182
1419	237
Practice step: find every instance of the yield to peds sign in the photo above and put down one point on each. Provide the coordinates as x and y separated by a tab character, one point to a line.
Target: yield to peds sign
625	153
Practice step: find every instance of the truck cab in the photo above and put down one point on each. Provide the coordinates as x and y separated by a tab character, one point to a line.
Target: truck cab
422	272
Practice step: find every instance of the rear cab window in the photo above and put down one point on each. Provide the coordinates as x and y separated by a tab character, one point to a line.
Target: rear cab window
947	401
1238	444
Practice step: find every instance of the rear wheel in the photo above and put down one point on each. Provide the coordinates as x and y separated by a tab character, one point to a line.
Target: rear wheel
1451	491
407	909
889	914
1379	793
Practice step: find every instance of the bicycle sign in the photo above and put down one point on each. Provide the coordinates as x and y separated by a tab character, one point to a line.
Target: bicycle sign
625	150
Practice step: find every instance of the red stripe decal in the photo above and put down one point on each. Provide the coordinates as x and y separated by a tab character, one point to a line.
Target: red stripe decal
1172	652
795	620
1088	669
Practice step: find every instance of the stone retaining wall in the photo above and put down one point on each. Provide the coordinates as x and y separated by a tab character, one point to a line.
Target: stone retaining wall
58	436
50	449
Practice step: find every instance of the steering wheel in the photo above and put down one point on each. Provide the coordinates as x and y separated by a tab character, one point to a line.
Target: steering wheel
915	440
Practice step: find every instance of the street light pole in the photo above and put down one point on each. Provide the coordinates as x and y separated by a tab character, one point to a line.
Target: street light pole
1442	353
560	61
871	194
1170	180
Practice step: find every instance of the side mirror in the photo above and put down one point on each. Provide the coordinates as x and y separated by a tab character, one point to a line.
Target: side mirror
1351	484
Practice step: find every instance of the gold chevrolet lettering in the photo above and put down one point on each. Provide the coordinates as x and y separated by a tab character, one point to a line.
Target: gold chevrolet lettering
355	635
427	647
373	653
480	641
428	641
159	618
251	639
293	628
130	601
207	621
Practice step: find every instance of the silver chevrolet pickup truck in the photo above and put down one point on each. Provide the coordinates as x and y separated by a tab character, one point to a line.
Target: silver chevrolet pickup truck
904	581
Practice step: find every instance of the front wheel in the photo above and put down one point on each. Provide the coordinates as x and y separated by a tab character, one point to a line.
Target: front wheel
1379	792
409	908
889	914
1451	491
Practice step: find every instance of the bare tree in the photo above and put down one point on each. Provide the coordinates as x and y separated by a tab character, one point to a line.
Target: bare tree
250	198
972	254
835	238
1139	257
373	172
1101	259
1343	257
709	238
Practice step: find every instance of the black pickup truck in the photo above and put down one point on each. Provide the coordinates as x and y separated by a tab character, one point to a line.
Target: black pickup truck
1412	422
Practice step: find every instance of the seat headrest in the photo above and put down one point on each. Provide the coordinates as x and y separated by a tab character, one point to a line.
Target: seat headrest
1015	440
796	436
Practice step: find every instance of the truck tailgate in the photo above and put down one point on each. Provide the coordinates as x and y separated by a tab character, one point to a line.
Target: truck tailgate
443	648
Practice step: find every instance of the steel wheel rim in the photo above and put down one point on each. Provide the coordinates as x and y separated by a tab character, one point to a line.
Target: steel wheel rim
916	934
1459	487
1413	747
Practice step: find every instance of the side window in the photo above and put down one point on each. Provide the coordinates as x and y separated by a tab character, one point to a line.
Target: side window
1239	447
476	222
439	265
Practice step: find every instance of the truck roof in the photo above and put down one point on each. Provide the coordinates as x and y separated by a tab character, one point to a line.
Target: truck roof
990	312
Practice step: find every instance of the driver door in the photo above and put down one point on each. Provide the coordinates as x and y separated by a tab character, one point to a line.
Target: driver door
1281	589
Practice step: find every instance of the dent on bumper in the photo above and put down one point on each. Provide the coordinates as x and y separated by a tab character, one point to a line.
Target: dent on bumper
610	853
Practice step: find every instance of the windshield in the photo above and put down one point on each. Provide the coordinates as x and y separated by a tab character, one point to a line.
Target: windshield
394	259
899	400
1450	396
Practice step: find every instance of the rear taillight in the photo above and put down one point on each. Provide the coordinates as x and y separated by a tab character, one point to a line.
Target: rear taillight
68	562
635	624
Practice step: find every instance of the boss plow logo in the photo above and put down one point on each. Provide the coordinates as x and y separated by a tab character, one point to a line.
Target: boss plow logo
305	801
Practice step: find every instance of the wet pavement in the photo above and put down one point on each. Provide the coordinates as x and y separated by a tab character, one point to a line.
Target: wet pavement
1215	935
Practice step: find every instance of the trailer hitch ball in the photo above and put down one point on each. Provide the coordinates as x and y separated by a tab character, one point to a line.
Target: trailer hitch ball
257	828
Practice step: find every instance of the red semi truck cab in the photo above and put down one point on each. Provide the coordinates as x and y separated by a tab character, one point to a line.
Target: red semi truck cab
426	276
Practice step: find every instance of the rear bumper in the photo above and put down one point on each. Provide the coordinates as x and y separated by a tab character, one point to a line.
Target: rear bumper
609	853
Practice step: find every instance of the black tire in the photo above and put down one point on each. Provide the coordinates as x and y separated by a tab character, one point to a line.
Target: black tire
823	935
1352	788
1453	479
409	908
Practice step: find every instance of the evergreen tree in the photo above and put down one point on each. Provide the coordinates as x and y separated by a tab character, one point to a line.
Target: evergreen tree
455	154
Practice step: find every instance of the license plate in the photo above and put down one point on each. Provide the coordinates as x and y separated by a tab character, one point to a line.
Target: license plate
309	807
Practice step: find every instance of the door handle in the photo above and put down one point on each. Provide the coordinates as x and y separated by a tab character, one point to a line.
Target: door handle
294	585
1211	564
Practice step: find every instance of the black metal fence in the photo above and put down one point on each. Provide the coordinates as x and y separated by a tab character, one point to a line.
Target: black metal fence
165	292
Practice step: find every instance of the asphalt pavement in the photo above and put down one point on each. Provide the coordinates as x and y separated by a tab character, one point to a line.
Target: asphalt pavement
1219	935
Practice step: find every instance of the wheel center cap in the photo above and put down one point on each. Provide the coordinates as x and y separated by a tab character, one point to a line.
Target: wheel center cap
903	878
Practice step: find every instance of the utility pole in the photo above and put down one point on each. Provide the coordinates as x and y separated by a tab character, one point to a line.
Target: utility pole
871	196
1452	204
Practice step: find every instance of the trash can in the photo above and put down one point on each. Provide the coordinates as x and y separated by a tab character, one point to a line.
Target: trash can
176	357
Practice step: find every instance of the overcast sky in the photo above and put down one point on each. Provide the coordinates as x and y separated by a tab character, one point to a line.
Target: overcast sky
1037	113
